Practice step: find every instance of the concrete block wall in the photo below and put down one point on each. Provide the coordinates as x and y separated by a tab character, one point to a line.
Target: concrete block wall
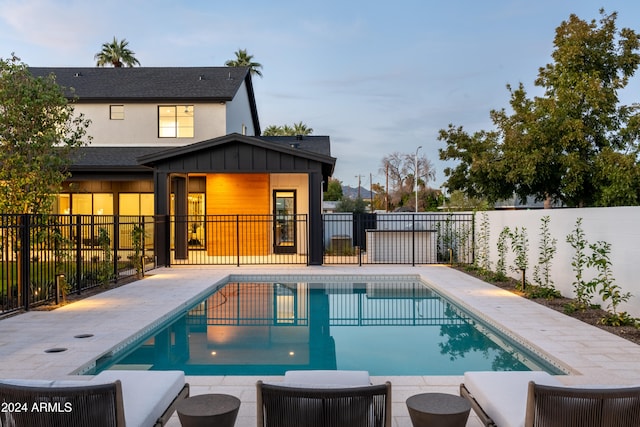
619	226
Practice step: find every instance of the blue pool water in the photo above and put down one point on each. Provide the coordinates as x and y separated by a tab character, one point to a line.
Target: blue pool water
387	327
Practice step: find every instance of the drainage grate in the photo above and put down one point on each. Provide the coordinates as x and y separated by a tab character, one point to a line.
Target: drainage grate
55	350
83	336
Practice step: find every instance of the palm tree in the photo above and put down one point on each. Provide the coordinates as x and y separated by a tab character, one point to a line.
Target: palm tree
301	129
272	130
243	59
117	54
286	130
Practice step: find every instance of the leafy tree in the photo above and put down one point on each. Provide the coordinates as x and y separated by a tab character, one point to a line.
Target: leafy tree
297	129
116	53
334	190
399	168
356	205
378	197
459	201
563	145
243	59
431	199
38	131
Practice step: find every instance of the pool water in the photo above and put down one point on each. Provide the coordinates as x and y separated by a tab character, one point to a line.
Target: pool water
387	327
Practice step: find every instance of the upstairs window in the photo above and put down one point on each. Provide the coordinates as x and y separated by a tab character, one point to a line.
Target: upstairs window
175	121
116	112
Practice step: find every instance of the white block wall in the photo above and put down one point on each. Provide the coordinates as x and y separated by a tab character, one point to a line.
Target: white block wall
619	226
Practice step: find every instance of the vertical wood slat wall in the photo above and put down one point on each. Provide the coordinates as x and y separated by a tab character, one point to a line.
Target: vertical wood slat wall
244	194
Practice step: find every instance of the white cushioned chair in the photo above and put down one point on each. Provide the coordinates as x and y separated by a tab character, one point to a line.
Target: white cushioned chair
537	399
111	398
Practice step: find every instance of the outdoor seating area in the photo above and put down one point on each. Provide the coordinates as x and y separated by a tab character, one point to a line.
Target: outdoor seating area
535	398
323	398
109	399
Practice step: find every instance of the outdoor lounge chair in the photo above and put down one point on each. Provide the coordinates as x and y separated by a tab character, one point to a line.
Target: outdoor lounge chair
285	406
110	399
516	399
324	398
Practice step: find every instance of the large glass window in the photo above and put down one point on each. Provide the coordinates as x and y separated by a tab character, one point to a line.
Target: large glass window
93	204
64	204
136	204
175	121
85	204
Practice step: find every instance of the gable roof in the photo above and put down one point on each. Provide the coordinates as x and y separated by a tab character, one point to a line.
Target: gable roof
148	83
153	84
319	155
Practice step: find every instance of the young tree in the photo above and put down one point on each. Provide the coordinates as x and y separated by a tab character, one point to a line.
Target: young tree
243	59
38	131
117	54
558	146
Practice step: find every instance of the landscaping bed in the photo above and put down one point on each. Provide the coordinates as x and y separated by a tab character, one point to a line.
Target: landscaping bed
591	316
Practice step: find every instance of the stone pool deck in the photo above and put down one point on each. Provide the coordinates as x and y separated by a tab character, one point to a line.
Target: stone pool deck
590	355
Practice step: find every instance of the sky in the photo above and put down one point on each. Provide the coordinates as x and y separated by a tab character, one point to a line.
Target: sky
376	76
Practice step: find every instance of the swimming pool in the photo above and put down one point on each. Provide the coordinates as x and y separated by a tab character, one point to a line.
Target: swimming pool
268	325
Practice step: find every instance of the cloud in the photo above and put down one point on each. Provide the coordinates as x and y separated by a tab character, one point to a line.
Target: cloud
46	24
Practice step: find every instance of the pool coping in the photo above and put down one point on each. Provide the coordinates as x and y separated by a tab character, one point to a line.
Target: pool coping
581	350
467	311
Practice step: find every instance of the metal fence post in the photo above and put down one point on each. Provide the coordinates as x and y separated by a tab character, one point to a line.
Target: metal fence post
24	232
307	242
473	237
116	243
413	240
78	252
142	243
238	240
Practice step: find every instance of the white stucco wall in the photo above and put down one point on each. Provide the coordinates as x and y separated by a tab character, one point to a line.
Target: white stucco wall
239	113
619	226
140	124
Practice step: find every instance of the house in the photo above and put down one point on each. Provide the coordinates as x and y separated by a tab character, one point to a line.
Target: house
183	144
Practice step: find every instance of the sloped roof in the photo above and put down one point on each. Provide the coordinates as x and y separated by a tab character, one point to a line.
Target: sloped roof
313	143
288	145
149	83
111	158
89	159
153	84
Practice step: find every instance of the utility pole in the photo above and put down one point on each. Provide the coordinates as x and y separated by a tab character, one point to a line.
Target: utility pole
359	176
371	192
415	178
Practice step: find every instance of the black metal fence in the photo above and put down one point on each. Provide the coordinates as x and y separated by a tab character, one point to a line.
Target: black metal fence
45	258
240	239
398	238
